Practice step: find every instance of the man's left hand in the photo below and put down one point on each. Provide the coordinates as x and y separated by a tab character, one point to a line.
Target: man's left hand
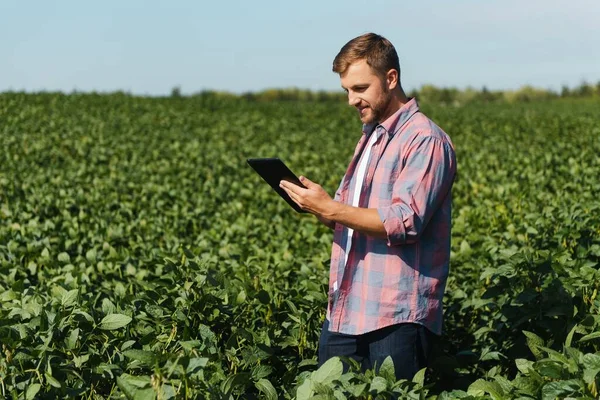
313	199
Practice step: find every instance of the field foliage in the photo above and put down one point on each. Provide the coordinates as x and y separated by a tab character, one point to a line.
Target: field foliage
141	258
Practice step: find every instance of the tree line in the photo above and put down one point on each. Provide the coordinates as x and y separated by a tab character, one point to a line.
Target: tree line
426	93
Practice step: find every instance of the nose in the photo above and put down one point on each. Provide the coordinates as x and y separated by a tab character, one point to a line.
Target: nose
353	100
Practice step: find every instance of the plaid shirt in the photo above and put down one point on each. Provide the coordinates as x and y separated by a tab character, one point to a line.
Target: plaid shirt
409	176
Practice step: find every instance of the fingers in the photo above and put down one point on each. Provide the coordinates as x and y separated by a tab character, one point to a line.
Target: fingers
289	187
292	195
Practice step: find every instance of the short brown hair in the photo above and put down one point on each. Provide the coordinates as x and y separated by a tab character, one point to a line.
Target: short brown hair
379	53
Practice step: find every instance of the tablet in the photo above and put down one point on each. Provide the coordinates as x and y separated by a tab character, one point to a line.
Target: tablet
273	170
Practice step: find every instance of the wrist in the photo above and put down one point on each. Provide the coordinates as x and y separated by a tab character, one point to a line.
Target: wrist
332	210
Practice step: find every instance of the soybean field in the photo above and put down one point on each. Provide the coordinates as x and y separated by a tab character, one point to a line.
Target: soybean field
142	258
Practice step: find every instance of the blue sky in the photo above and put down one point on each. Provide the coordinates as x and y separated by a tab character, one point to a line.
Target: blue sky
148	47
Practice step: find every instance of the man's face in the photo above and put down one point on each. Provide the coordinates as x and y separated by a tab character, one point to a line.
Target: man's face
367	91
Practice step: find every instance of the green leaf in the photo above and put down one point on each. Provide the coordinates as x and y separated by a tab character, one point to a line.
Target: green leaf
490	355
323	391
167	392
190	345
481	387
357	390
235	381
136	381
549	369
32	390
8	296
195	364
147	358
114	321
104	368
136	387
387	369
90	255
308	362
45	254
561	389
527	385
304	391
69	298
569	338
51	380
504	384
154	311
188	253
241	297
58	292
593	335
339	395
207	334
108	307
465	247
85	315
261	371
80	360
591	363
267	389
127	344
534	342
64	258
292	306
71	340
378	385
419	377
330	370
145	394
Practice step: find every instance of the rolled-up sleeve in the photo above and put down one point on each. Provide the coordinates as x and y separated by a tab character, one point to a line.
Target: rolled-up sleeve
423	183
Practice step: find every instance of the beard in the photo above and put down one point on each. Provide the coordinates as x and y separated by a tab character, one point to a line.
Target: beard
378	110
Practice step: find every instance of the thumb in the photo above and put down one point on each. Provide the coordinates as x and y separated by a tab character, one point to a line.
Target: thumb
307	182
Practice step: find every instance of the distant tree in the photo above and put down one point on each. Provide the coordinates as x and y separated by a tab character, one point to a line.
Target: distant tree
250	96
488	96
529	93
413	93
584	90
467	95
176	91
322	95
432	94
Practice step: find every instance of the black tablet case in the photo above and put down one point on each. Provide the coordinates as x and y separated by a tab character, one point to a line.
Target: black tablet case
273	170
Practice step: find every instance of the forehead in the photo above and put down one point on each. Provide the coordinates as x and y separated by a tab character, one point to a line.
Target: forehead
358	72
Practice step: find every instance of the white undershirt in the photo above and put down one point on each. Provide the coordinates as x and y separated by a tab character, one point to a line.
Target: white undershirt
360	177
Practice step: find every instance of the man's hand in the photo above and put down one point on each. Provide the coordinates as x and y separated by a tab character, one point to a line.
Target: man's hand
313	199
316	201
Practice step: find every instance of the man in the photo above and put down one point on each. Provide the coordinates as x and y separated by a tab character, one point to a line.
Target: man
391	220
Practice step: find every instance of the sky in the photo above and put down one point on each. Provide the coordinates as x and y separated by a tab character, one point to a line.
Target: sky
149	47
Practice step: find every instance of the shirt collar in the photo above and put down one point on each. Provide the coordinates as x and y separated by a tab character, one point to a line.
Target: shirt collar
394	122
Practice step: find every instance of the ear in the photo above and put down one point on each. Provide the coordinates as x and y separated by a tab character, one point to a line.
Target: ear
392	79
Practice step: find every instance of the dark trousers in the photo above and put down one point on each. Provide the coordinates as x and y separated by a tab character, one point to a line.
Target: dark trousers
408	344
